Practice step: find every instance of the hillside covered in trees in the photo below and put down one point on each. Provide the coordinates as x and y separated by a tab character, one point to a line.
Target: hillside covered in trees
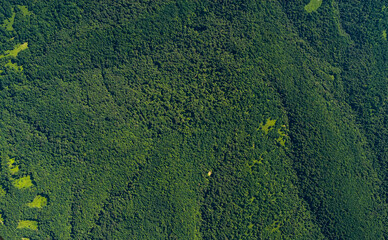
193	119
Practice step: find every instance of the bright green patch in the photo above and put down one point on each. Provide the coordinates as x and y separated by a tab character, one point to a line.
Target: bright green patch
25	239
385	34
337	21
14	66
38	202
16	50
33	225
313	6
2	192
8	23
11	162
281	139
13	53
268	125
24	182
1	219
13	169
24	10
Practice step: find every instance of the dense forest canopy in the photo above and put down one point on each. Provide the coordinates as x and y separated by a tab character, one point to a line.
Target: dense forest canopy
188	119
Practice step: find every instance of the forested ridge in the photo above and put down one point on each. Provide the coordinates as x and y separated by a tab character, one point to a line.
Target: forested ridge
185	119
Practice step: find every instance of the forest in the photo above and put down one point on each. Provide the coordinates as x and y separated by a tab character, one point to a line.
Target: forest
188	119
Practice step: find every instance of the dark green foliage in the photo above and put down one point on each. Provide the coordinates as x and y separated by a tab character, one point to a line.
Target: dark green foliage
143	120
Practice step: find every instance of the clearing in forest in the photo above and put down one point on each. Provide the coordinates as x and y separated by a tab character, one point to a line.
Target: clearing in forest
2	192
33	225
17	49
10	64
313	5
38	202
24	182
8	23
24	10
13	169
281	140
268	125
13	53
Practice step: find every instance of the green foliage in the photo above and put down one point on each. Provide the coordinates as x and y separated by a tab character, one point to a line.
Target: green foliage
23	182
8	23
268	125
28	224
17	49
24	10
193	120
38	202
13	169
14	66
313	6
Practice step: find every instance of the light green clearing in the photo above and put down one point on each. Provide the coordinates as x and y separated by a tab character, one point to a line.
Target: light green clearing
38	202
1	219
268	125
24	182
33	225
24	10
13	169
25	239
385	34
313	6
13	53
2	192
14	66
337	14
17	49
11	162
8	23
281	139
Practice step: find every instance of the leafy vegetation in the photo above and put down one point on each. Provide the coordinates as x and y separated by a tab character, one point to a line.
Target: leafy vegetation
17	49
268	125
38	202
13	169
186	119
24	10
28	224
8	23
313	5
23	182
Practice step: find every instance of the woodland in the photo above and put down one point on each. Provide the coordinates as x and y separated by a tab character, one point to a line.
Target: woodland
193	119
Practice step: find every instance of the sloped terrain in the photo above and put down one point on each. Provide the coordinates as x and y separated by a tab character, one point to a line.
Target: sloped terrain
193	120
